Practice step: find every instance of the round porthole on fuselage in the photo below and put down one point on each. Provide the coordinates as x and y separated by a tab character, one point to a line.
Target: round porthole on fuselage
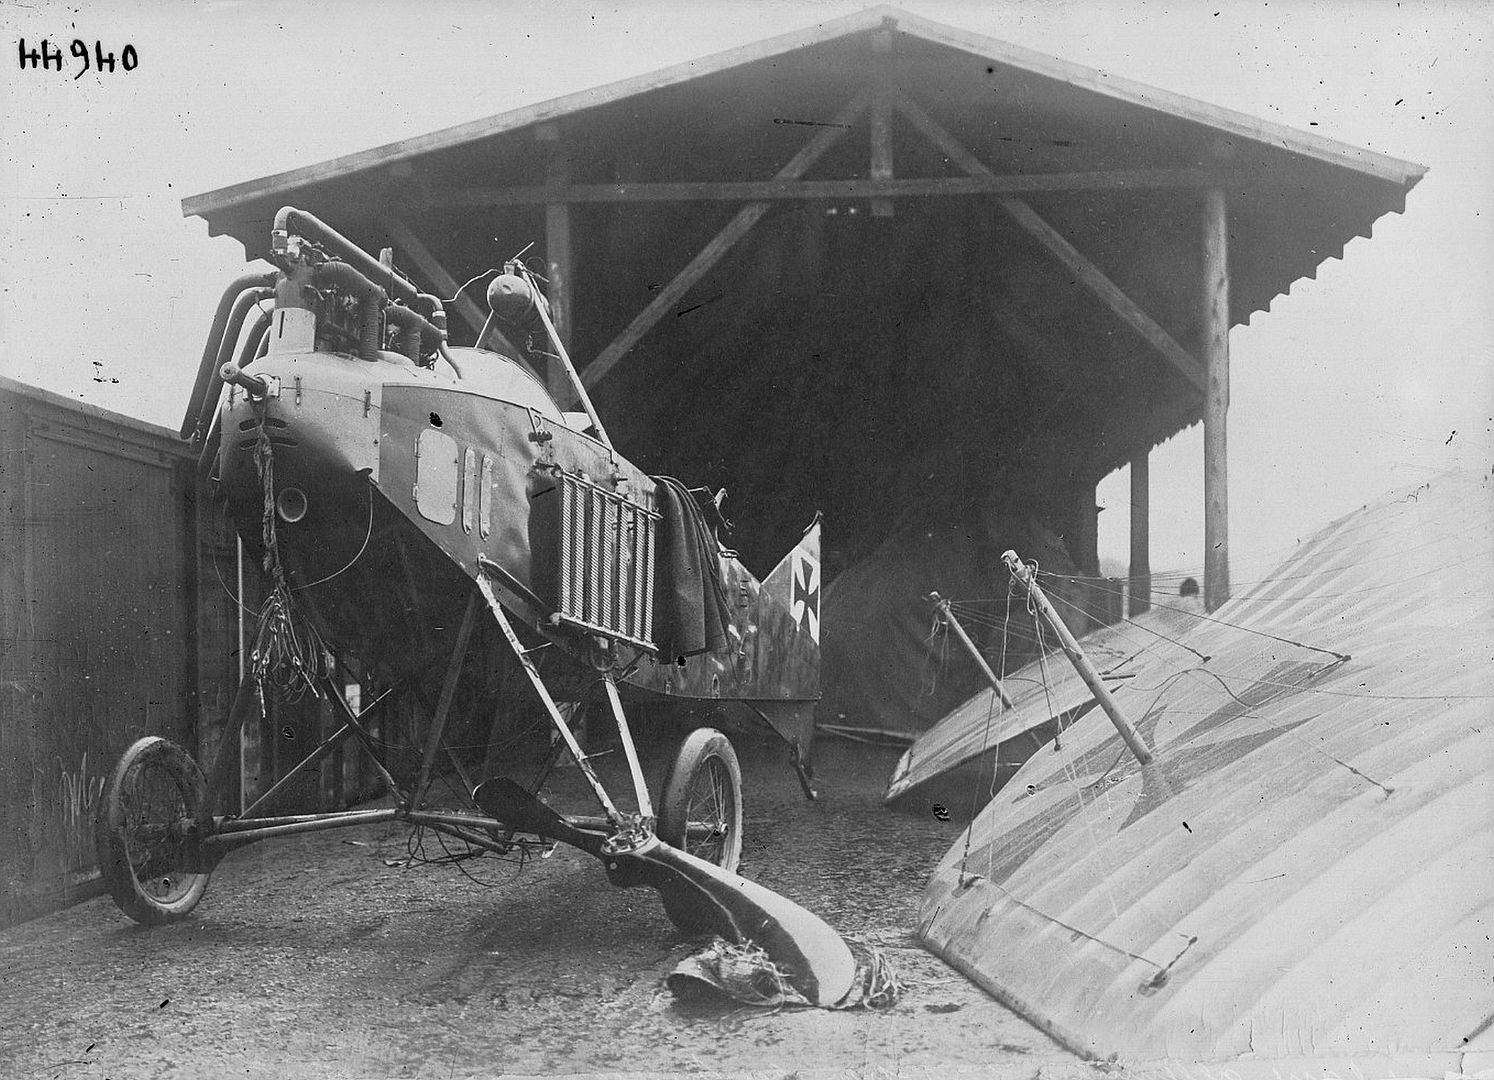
290	504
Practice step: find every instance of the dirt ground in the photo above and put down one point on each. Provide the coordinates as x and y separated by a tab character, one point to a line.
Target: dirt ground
316	957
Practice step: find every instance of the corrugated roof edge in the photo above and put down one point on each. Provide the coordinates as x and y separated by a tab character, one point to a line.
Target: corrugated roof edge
51	399
1344	155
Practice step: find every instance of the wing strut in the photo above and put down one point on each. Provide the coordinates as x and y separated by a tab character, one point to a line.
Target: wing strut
551	708
818	962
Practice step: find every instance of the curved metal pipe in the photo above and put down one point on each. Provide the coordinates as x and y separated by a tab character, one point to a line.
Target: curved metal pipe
257	333
290	219
418	335
208	366
346	276
230	337
435	309
210	444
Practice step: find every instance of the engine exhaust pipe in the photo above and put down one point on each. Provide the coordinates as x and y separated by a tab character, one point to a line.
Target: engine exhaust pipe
207	367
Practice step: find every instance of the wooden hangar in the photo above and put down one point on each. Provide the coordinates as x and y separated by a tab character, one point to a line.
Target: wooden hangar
880	267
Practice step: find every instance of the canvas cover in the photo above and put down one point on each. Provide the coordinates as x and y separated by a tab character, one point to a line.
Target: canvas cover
1305	869
884	667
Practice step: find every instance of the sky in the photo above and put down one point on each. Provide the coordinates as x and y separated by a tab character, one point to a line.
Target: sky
1376	375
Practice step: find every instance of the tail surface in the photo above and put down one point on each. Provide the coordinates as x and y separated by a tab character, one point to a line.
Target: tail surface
795	582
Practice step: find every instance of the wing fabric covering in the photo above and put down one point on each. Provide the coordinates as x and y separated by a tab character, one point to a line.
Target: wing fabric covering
1307	869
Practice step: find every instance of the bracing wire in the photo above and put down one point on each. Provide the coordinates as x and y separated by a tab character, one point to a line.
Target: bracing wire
985	742
463	286
1088	614
1210	619
289	655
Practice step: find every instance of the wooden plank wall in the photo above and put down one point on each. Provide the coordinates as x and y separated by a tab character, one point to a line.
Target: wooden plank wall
117	619
97	600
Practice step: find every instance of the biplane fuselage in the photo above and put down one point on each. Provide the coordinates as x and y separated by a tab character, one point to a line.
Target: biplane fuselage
394	486
426	526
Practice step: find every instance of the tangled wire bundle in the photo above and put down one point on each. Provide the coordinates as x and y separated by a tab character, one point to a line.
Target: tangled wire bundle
289	655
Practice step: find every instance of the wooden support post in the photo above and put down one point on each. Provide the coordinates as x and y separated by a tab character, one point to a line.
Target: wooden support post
881	117
1087	535
1128	733
720	244
559	259
1084	595
1215	323
1141	557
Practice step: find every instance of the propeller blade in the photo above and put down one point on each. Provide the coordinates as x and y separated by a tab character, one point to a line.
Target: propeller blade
817	961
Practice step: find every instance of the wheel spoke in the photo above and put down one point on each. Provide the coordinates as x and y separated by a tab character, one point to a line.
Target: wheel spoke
154	801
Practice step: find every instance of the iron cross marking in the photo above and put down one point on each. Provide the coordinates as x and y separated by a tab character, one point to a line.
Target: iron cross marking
807	592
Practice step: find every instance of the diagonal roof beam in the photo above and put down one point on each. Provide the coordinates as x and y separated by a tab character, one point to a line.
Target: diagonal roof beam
721	243
431	267
468	308
1033	224
1052	359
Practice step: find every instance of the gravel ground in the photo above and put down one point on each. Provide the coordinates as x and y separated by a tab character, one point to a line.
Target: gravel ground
314	957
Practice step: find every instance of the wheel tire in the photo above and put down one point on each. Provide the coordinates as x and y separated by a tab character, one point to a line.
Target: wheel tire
155	786
703	784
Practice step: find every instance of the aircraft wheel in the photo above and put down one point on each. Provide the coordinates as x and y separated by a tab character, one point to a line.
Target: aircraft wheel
700	812
141	833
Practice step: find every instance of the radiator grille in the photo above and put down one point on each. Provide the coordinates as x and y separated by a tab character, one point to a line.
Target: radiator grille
606	562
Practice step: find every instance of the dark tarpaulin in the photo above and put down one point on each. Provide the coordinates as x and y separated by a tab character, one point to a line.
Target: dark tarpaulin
882	670
691	613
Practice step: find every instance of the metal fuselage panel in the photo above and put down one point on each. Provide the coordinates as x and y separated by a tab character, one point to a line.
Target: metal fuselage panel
385	566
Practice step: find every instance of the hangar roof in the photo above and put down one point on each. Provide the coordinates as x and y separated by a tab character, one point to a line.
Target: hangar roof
1037	277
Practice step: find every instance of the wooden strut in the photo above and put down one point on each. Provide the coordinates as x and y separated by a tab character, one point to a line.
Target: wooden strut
355	721
443	704
567	368
916	187
1023	573
949	619
625	733
551	709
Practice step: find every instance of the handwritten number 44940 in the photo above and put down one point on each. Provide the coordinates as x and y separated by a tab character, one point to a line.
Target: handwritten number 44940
48	57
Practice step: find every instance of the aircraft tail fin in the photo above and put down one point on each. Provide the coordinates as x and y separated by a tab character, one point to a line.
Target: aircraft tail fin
795	582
